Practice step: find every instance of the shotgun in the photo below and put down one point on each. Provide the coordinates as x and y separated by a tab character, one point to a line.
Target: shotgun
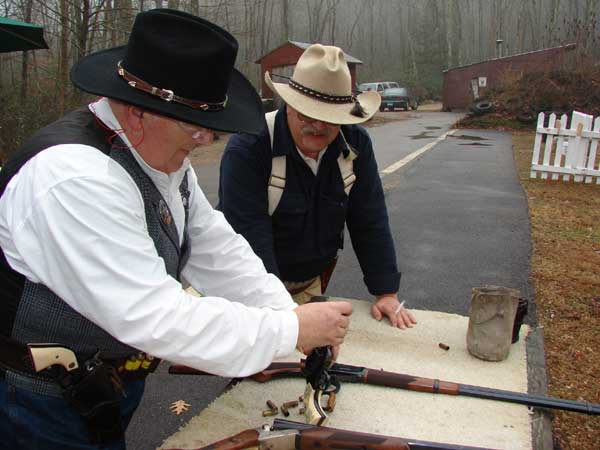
288	435
356	374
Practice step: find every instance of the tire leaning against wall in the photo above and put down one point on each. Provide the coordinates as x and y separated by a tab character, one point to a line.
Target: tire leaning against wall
482	107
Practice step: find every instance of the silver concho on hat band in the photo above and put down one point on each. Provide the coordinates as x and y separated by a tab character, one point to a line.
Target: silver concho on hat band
166	94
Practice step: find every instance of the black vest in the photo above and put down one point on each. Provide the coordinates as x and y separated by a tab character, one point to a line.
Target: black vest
31	312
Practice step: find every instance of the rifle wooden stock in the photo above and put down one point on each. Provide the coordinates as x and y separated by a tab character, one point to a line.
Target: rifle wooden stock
324	438
408	382
355	374
245	439
275	370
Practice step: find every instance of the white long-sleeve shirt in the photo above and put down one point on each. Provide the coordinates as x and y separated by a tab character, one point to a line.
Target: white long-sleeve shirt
73	219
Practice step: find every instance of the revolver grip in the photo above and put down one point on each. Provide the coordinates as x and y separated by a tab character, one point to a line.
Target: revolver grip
314	413
46	355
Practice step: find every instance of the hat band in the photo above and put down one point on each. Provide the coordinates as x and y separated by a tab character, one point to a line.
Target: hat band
319	95
166	94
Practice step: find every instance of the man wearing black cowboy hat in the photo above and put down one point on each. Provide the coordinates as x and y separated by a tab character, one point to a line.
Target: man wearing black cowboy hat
102	224
290	190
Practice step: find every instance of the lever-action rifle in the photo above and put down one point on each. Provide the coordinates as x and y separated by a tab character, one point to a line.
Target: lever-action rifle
355	374
288	435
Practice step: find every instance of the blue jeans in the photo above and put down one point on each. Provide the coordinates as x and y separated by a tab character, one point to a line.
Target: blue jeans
30	421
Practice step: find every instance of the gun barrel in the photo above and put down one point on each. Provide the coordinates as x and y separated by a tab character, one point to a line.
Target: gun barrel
529	399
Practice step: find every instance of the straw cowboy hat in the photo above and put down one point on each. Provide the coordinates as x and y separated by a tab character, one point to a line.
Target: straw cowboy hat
177	65
321	88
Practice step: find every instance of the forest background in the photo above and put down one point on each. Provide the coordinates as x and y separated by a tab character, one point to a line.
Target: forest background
409	41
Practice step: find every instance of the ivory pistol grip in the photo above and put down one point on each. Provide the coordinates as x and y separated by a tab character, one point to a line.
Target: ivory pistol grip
46	355
313	411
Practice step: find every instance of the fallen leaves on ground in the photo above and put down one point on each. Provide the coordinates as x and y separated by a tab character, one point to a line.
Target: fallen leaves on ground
179	407
565	229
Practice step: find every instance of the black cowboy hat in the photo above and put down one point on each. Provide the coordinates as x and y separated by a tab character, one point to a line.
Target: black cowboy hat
177	65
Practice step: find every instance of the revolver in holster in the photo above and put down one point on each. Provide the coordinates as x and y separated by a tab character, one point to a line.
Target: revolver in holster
93	389
96	396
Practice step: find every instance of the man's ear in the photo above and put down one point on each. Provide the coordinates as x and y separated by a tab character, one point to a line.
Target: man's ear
137	112
204	137
288	110
135	116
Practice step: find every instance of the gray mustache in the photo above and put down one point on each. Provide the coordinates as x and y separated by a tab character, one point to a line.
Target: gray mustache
310	130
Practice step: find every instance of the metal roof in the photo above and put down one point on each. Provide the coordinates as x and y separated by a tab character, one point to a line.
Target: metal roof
566	47
349	58
304	45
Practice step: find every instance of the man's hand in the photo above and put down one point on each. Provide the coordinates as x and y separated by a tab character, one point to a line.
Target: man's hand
322	324
388	305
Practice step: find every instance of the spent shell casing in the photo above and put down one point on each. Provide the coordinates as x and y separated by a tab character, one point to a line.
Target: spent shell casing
291	404
271	405
285	411
330	403
443	346
269	412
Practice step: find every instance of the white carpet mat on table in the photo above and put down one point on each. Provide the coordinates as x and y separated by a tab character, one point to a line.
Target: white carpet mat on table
389	411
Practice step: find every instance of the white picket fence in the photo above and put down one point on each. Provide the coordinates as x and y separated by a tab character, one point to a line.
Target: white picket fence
567	149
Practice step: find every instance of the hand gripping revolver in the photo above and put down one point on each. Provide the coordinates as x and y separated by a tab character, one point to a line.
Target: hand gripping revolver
318	380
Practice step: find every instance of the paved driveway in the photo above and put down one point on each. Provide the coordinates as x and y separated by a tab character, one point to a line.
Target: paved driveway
459	219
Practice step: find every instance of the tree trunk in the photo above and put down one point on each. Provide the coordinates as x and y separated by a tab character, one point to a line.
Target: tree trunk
25	59
554	14
112	23
457	23
449	39
123	19
285	19
63	61
195	8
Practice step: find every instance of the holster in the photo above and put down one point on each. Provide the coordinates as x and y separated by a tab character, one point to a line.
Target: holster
96	395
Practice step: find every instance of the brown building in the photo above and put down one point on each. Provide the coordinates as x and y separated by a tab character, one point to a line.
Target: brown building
281	61
463	85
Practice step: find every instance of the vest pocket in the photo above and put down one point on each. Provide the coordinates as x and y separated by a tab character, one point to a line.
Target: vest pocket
332	222
289	220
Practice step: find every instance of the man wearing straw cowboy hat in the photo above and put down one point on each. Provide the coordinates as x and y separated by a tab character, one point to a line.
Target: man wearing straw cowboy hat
102	223
290	190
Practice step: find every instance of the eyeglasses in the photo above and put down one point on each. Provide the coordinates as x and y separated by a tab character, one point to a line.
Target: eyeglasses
194	131
309	120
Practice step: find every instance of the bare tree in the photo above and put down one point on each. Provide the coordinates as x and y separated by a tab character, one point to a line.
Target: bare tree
411	41
285	19
63	61
24	64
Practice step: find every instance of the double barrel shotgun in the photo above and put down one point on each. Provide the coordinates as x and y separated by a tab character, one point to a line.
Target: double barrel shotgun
288	435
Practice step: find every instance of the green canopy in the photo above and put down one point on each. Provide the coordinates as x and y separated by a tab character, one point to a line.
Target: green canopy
15	36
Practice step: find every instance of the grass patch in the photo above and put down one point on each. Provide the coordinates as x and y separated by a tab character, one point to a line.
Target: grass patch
565	272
